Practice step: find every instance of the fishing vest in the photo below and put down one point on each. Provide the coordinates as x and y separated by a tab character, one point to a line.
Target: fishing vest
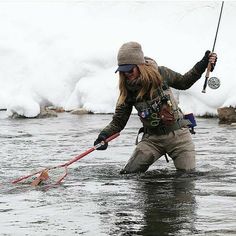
162	110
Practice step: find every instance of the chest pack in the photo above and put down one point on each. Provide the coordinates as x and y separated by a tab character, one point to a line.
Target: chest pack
159	111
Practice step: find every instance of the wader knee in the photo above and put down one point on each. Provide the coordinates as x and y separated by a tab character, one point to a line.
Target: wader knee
140	161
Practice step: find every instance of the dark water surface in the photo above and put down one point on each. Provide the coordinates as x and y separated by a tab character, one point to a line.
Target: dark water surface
95	199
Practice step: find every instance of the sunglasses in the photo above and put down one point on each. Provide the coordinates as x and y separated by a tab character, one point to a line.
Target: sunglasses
129	72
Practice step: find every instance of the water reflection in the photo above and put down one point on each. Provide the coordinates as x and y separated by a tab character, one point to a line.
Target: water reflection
156	203
169	207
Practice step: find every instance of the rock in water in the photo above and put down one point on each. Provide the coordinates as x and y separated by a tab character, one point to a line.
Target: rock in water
227	115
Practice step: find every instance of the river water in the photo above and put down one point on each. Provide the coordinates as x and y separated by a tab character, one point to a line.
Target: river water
95	199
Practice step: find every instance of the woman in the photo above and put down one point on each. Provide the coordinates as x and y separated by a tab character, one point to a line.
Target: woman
147	86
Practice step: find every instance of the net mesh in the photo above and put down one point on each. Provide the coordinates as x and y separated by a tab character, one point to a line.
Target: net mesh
49	177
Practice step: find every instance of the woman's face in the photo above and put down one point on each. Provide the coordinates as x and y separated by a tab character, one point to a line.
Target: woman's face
132	74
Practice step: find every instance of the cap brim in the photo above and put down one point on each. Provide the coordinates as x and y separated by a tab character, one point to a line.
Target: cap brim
125	68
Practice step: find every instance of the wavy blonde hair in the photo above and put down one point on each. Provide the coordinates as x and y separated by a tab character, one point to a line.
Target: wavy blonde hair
150	80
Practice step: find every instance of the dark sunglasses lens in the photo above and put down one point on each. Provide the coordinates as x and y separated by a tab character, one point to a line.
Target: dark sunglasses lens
130	71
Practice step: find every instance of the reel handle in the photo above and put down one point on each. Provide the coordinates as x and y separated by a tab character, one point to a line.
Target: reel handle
206	77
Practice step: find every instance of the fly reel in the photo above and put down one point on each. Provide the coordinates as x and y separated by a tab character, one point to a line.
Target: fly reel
213	83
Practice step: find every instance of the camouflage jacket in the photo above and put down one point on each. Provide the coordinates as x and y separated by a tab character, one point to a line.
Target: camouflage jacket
171	79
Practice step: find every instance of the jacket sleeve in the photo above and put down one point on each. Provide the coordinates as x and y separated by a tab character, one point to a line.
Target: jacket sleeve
179	81
119	120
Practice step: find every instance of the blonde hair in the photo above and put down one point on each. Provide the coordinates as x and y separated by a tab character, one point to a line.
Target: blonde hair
150	80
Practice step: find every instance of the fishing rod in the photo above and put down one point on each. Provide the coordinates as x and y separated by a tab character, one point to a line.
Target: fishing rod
215	81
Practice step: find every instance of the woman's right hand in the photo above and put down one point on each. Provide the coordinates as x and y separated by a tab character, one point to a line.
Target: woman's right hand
101	139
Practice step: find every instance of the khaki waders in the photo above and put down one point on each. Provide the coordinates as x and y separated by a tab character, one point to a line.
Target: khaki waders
177	144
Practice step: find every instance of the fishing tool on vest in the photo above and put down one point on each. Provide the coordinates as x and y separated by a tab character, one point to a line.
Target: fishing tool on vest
145	113
166	109
45	174
212	81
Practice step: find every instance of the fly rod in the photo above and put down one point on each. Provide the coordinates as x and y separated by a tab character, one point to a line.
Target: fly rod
213	48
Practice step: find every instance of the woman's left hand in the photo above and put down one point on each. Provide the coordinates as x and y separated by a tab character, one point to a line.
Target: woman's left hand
212	59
